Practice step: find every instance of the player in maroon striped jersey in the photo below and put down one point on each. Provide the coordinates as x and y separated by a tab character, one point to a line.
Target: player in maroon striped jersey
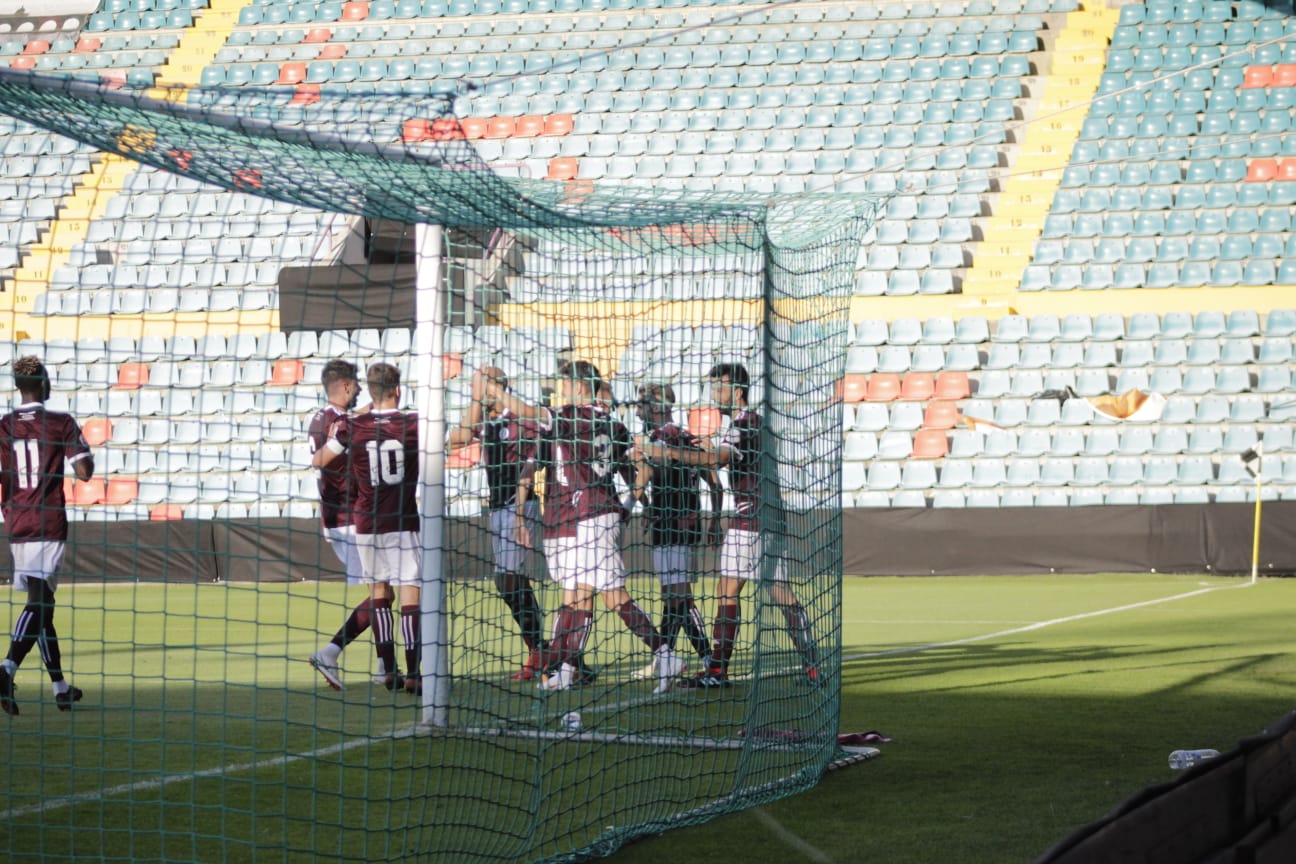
336	491
742	553
582	448
382	453
506	427
34	444
674	510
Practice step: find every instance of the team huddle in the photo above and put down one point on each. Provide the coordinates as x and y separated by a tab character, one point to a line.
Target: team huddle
369	517
368	463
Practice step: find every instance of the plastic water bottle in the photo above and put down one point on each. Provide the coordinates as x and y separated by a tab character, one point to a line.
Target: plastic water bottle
1181	759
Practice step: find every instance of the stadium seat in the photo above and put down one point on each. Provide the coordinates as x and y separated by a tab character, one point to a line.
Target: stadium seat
883	387
917	387
940	414
286	372
854	388
952	384
120	490
930	444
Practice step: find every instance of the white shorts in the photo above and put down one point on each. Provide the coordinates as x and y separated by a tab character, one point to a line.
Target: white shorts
39	559
394	557
673	564
509	556
343	543
740	557
592	558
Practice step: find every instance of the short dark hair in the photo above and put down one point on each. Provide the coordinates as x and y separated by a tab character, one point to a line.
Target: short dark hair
735	372
383	379
337	370
31	377
583	371
657	394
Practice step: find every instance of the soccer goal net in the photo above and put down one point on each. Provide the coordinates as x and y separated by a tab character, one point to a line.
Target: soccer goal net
621	609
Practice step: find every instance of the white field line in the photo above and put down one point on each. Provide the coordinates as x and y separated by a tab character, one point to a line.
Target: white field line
405	732
171	779
1040	625
812	853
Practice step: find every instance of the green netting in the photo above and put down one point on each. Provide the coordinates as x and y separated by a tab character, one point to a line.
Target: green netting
205	735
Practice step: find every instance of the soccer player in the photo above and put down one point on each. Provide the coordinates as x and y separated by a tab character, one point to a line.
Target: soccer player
582	447
675	518
506	427
382	457
739	449
336	492
34	443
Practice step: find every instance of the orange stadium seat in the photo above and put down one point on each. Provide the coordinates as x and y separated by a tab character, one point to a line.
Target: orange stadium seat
415	130
87	45
704	422
164	512
474	127
132	376
89	492
446	128
529	126
318	34
292	73
96	431
26	61
121	490
1262	170
883	387
501	126
36	46
1287	169
562	168
917	387
464	457
286	372
1257	76
559	124
356	10
940	415
854	387
451	365
930	444
332	51
1285	75
952	384
306	94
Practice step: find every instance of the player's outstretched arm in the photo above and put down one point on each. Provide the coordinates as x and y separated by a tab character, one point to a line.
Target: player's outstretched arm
712	480
332	449
699	457
526	480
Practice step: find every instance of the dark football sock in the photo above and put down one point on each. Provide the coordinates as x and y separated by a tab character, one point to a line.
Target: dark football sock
725	631
356	624
411	621
521	599
384	639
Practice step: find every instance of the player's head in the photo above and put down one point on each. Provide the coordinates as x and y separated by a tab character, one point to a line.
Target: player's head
655	404
341	385
729	385
579	381
494	375
31	379
383	381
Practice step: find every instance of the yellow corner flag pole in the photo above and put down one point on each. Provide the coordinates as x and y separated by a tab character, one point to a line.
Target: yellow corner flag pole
1255	538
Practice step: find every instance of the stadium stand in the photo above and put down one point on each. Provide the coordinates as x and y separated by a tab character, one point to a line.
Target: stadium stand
993	310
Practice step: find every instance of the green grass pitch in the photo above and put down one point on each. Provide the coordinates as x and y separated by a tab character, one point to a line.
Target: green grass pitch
1020	707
